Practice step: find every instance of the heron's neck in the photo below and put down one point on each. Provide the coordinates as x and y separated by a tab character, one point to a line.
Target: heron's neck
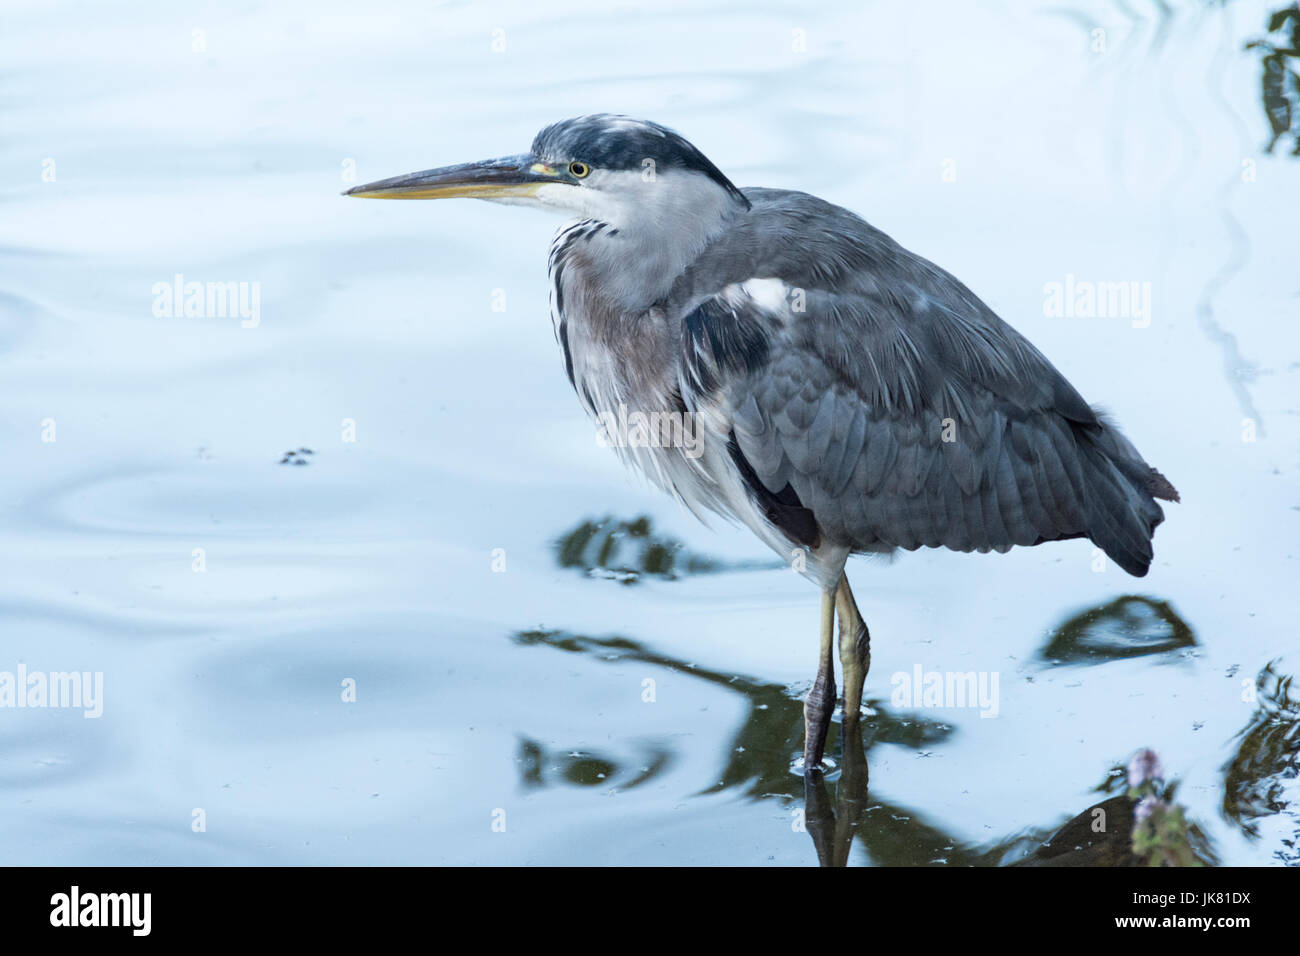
637	254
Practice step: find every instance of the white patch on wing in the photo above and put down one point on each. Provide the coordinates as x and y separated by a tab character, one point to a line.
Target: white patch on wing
770	295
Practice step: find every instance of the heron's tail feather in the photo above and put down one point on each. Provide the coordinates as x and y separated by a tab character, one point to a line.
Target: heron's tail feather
1160	487
1122	492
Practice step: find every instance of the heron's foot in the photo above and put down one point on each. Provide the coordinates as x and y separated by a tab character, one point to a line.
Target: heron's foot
818	707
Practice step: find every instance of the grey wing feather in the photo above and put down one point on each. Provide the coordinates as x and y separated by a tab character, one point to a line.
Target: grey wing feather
900	409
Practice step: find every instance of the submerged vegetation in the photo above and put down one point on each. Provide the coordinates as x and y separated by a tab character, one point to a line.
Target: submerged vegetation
1129	626
628	551
1260	780
1280	77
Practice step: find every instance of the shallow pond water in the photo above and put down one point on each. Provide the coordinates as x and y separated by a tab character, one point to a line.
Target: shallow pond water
449	628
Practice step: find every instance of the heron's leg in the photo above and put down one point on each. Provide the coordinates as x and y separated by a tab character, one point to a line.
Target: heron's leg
855	649
820	702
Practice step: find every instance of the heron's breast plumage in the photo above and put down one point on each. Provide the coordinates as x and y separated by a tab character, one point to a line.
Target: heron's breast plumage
659	363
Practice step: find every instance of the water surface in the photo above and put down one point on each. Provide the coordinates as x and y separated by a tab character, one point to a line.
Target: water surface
522	696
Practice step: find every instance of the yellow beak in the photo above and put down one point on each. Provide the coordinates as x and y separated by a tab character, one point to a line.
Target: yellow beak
489	179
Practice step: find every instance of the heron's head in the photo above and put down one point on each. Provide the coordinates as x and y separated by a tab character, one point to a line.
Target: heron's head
630	173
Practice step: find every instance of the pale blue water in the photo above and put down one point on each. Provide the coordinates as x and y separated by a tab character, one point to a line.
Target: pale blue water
993	140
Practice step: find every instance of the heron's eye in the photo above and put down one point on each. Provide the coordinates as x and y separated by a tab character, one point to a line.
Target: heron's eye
579	170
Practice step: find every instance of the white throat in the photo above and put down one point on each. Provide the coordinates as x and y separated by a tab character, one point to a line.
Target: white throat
656	224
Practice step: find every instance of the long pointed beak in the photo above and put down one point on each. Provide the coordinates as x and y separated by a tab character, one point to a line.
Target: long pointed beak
490	179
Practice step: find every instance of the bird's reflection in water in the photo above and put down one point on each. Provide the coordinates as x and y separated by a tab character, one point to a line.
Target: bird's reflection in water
838	808
759	761
832	824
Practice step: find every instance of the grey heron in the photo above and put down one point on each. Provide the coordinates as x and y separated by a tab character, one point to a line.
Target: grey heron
852	397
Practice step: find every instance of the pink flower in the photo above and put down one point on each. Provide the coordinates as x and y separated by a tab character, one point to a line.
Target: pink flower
1143	766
